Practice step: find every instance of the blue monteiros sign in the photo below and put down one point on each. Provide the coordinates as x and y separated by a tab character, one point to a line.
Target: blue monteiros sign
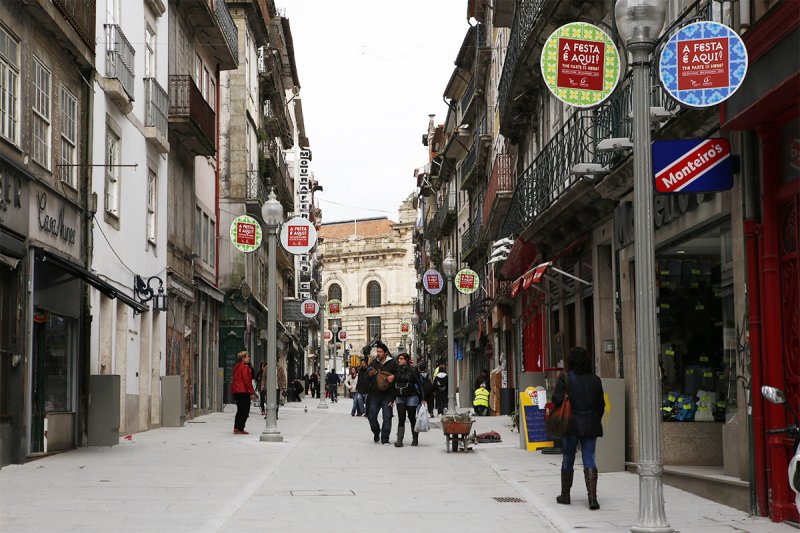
693	165
703	64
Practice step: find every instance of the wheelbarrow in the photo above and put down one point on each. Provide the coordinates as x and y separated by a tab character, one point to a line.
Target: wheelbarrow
458	435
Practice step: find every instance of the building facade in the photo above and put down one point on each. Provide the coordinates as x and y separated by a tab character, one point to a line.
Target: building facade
543	181
369	268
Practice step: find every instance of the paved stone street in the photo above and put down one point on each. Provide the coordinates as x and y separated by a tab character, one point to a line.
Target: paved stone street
327	476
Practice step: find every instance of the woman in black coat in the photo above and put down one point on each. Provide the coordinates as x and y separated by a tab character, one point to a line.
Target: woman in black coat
585	392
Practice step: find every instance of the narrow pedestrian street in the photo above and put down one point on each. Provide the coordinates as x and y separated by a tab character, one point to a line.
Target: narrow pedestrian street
327	476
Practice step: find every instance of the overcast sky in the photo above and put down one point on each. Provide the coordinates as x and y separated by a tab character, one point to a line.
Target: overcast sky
371	72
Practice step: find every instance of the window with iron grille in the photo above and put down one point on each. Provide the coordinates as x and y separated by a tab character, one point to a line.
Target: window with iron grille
335	292
373	294
151	206
112	172
69	137
41	114
9	86
373	327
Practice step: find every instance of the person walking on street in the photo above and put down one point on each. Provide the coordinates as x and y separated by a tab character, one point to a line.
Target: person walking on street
313	380
427	386
381	371
280	392
307	383
440	387
261	378
362	386
352	383
407	398
242	390
585	391
333	381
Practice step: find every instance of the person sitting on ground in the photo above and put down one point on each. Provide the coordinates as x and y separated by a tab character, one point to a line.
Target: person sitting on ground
481	401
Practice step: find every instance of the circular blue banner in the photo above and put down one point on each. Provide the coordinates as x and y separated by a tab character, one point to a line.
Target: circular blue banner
703	64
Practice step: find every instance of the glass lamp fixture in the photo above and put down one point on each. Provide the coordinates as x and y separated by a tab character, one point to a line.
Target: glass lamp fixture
272	210
449	266
640	20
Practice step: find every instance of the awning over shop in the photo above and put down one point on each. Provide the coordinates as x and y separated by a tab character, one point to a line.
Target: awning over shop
91	278
534	276
519	259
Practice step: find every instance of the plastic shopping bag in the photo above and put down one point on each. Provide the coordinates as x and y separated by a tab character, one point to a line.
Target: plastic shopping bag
423	422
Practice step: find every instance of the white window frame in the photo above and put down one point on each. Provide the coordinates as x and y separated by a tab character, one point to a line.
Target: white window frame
198	71
150	44
204	87
198	229
9	87
69	137
152	203
41	118
112	159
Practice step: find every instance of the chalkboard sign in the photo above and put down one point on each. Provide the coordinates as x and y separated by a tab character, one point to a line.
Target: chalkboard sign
533	422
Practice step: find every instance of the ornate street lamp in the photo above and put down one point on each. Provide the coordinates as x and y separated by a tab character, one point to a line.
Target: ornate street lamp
322	299
639	23
414	341
272	213
449	267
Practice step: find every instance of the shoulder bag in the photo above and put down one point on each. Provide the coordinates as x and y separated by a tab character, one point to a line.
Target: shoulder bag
557	420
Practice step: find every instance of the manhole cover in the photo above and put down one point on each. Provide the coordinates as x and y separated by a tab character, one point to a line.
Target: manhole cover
509	499
337	492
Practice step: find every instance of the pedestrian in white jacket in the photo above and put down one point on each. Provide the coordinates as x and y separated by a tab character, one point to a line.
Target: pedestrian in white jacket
351	383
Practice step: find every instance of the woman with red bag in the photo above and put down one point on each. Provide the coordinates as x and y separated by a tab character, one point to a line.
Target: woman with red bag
585	391
242	390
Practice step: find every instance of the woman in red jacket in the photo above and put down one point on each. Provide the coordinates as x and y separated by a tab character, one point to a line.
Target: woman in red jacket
242	389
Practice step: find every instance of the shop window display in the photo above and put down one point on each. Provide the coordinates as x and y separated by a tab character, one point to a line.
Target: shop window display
695	319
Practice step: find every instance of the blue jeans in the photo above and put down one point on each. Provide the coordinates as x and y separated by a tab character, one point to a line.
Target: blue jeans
358	404
570	447
375	403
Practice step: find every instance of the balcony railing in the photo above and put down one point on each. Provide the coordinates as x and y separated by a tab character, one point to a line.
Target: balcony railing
525	17
468	96
469	240
81	16
445	214
256	191
157	102
228	27
277	172
499	182
119	58
187	106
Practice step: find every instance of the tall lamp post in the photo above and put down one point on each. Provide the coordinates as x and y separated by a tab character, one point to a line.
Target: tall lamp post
449	267
639	23
414	342
272	213
322	299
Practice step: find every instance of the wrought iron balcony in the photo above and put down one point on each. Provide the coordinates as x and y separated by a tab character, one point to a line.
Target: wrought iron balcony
276	172
81	16
470	241
475	162
256	192
499	190
445	215
228	28
119	58
156	109
191	119
476	309
468	103
214	30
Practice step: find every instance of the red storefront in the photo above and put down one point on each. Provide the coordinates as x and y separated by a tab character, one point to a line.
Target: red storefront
767	110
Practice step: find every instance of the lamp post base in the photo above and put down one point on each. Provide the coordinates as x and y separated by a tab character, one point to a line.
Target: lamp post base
322	406
645	529
271	436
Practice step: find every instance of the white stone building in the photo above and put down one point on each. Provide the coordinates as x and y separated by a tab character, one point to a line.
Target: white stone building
369	266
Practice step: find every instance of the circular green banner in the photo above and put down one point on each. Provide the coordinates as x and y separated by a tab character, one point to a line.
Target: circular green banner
246	233
467	281
580	64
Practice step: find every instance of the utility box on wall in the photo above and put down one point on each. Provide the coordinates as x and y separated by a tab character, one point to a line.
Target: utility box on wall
172	413
610	452
103	410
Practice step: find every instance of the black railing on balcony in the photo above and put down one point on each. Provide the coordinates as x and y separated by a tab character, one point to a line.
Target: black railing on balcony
185	101
469	95
157	102
445	214
255	191
525	17
277	172
119	58
228	27
499	181
469	240
81	16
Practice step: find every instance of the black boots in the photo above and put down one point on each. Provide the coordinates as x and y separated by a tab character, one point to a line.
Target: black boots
414	437
566	485
401	432
591	487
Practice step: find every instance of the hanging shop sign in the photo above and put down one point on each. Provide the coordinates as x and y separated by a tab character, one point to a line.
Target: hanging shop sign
342	335
404	327
693	165
298	236
328	335
580	64
333	308
432	281
309	308
467	281
703	64
246	233
423	328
